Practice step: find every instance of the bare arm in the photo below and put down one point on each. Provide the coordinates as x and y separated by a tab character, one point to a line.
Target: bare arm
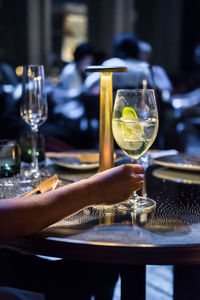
27	215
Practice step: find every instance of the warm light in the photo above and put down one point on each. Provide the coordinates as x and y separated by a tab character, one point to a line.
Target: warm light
19	71
106	219
75	30
144	84
13	153
30	74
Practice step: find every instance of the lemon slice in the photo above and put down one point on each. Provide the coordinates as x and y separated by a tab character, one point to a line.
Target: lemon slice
132	131
129	113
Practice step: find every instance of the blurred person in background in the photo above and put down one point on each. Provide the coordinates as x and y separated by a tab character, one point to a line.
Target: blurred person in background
68	121
136	56
125	53
193	80
186	106
164	89
73	74
161	79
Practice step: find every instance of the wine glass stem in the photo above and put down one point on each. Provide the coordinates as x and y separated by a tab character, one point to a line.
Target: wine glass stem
134	200
34	150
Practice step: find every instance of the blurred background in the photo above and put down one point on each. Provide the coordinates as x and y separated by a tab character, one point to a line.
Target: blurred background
48	32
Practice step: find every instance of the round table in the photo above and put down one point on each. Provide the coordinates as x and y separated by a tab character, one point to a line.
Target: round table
170	234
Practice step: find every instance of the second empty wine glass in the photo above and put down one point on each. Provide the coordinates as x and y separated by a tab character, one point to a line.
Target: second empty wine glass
34	108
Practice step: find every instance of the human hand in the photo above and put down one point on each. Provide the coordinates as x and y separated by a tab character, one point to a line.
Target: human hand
117	184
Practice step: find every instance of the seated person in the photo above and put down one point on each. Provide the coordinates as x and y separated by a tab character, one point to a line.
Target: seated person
135	55
161	80
73	74
125	53
26	215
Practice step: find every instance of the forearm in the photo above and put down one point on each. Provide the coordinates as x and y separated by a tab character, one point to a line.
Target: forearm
26	215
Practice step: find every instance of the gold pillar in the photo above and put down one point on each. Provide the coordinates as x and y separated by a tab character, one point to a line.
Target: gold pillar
106	142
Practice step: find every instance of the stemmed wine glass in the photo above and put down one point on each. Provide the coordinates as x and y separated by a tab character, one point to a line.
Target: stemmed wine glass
135	126
34	108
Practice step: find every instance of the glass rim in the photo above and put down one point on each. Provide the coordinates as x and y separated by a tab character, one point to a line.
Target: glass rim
135	90
40	68
32	65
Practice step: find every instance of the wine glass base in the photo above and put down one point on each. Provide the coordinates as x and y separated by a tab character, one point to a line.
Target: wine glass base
143	205
35	175
27	172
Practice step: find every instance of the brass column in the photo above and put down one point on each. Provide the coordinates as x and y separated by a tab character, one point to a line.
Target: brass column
106	142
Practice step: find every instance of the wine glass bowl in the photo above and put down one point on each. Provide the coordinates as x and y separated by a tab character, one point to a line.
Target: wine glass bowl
33	109
135	127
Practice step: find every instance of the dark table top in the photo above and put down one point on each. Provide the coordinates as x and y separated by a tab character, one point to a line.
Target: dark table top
170	234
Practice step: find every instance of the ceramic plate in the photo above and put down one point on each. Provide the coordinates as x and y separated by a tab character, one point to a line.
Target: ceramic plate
177	175
77	164
179	161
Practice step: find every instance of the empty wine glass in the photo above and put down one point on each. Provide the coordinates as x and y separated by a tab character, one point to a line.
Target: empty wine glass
135	126
34	108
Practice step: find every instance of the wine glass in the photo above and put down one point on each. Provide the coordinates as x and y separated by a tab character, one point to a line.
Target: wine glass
34	108
135	126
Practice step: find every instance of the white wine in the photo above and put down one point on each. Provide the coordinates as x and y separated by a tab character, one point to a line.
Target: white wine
135	137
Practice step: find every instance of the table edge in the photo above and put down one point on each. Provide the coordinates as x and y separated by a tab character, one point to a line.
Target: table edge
109	253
